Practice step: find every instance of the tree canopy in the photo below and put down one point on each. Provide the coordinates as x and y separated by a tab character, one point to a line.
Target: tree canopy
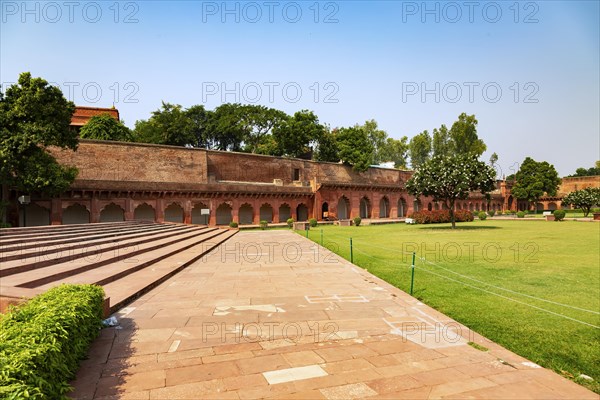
33	116
534	179
592	171
355	148
451	178
419	149
584	199
105	127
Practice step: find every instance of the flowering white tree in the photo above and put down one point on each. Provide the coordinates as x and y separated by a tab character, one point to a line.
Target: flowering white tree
584	199
451	178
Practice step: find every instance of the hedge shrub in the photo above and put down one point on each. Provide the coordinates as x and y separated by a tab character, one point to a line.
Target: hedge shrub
559	215
312	222
263	224
482	215
357	221
491	213
521	214
233	224
42	341
440	216
290	222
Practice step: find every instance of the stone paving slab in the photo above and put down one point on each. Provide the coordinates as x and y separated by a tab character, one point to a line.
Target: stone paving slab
272	315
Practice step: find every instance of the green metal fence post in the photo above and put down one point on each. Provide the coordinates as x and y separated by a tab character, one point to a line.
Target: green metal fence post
351	254
412	274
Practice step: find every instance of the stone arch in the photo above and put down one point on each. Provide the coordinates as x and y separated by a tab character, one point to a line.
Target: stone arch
266	213
224	214
112	213
458	206
197	217
144	212
34	215
552	206
384	207
174	213
471	207
302	212
539	207
325	210
246	214
285	212
343	208
416	205
365	207
476	206
75	214
402	208
436	206
429	206
510	202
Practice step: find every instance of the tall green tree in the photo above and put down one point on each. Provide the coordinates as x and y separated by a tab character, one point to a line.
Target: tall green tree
259	121
443	144
419	149
227	127
296	134
105	127
534	180
464	136
377	137
451	178
168	125
33	116
395	150
198	120
327	147
355	148
584	199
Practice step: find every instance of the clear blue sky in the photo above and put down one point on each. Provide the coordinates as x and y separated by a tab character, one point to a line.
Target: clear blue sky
409	65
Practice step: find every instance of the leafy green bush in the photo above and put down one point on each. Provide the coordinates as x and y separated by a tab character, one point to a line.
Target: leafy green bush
508	212
5	225
290	222
263	224
521	214
491	213
312	222
357	221
559	215
42	341
441	216
233	224
482	215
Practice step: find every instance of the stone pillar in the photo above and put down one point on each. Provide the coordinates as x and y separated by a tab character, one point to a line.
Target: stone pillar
187	212
160	210
276	212
56	212
128	209
94	210
235	211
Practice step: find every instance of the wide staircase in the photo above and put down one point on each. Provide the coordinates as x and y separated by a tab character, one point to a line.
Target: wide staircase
126	258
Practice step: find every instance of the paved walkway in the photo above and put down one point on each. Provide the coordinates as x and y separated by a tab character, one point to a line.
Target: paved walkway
271	315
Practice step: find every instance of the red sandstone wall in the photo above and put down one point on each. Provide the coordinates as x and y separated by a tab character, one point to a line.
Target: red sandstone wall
241	167
569	185
135	162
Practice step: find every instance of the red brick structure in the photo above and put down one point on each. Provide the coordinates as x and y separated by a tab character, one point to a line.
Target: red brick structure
83	114
131	181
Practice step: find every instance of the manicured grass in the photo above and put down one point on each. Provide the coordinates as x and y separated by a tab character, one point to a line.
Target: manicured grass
462	273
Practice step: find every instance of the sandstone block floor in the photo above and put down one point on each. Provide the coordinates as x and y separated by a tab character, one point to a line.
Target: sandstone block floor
272	315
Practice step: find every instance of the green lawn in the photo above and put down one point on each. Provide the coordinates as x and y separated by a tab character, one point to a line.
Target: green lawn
467	269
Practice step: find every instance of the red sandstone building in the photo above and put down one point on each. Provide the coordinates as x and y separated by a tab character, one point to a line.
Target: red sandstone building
131	181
